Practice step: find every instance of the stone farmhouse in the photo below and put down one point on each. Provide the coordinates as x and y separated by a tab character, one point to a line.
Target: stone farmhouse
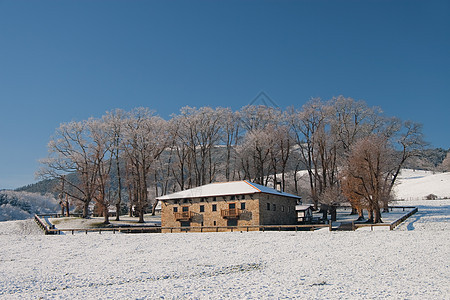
237	203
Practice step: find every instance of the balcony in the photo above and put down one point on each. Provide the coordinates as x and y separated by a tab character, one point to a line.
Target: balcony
232	213
184	216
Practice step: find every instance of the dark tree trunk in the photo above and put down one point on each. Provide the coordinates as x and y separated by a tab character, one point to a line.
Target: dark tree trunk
67	207
360	214
385	206
105	214
118	206
333	213
141	215
370	216
324	211
62	207
377	216
154	207
85	209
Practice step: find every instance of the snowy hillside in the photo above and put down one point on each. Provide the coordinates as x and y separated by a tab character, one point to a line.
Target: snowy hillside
23	205
417	184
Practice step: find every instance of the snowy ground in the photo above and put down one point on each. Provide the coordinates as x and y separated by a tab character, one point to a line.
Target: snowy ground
411	262
70	223
417	184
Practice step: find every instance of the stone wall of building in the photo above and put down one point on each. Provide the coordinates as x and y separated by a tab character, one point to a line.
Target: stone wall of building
277	210
206	213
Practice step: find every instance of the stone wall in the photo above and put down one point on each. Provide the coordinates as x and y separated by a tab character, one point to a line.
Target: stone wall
206	212
277	210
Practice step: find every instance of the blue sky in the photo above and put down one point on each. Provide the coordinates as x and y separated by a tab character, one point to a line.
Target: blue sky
70	60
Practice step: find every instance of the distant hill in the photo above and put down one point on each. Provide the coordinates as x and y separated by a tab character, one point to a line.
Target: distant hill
42	187
429	159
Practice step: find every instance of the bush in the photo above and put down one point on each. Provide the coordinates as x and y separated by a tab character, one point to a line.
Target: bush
431	197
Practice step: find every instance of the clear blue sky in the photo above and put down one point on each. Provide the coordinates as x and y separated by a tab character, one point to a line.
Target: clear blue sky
69	60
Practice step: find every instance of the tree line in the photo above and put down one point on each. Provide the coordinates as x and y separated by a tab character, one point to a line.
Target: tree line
350	151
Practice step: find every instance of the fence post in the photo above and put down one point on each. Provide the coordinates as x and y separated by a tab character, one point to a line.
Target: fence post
331	225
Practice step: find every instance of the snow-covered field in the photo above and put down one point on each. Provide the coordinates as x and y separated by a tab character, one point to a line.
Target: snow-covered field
411	262
417	184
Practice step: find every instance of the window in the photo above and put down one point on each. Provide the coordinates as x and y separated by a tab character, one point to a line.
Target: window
282	208
214	199
242	205
215	223
185	200
175	209
202	208
185	224
274	207
232	205
243	197
202	199
185	208
214	207
268	206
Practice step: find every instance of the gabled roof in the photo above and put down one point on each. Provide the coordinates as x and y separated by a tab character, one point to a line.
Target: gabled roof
243	187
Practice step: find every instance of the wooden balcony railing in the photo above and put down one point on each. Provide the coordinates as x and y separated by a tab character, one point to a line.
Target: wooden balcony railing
232	213
184	216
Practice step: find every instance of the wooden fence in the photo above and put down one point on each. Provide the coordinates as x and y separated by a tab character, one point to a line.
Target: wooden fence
48	229
157	229
393	224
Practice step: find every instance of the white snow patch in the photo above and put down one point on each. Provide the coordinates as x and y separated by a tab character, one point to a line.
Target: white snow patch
410	262
416	185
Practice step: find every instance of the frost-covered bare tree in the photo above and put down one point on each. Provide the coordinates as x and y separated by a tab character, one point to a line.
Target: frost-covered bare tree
256	152
445	165
407	138
254	155
145	138
230	138
308	127
350	121
101	144
71	151
198	134
199	146
366	176
115	121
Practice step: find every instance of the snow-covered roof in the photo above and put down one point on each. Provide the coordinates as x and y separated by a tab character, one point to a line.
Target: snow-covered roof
302	207
243	187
